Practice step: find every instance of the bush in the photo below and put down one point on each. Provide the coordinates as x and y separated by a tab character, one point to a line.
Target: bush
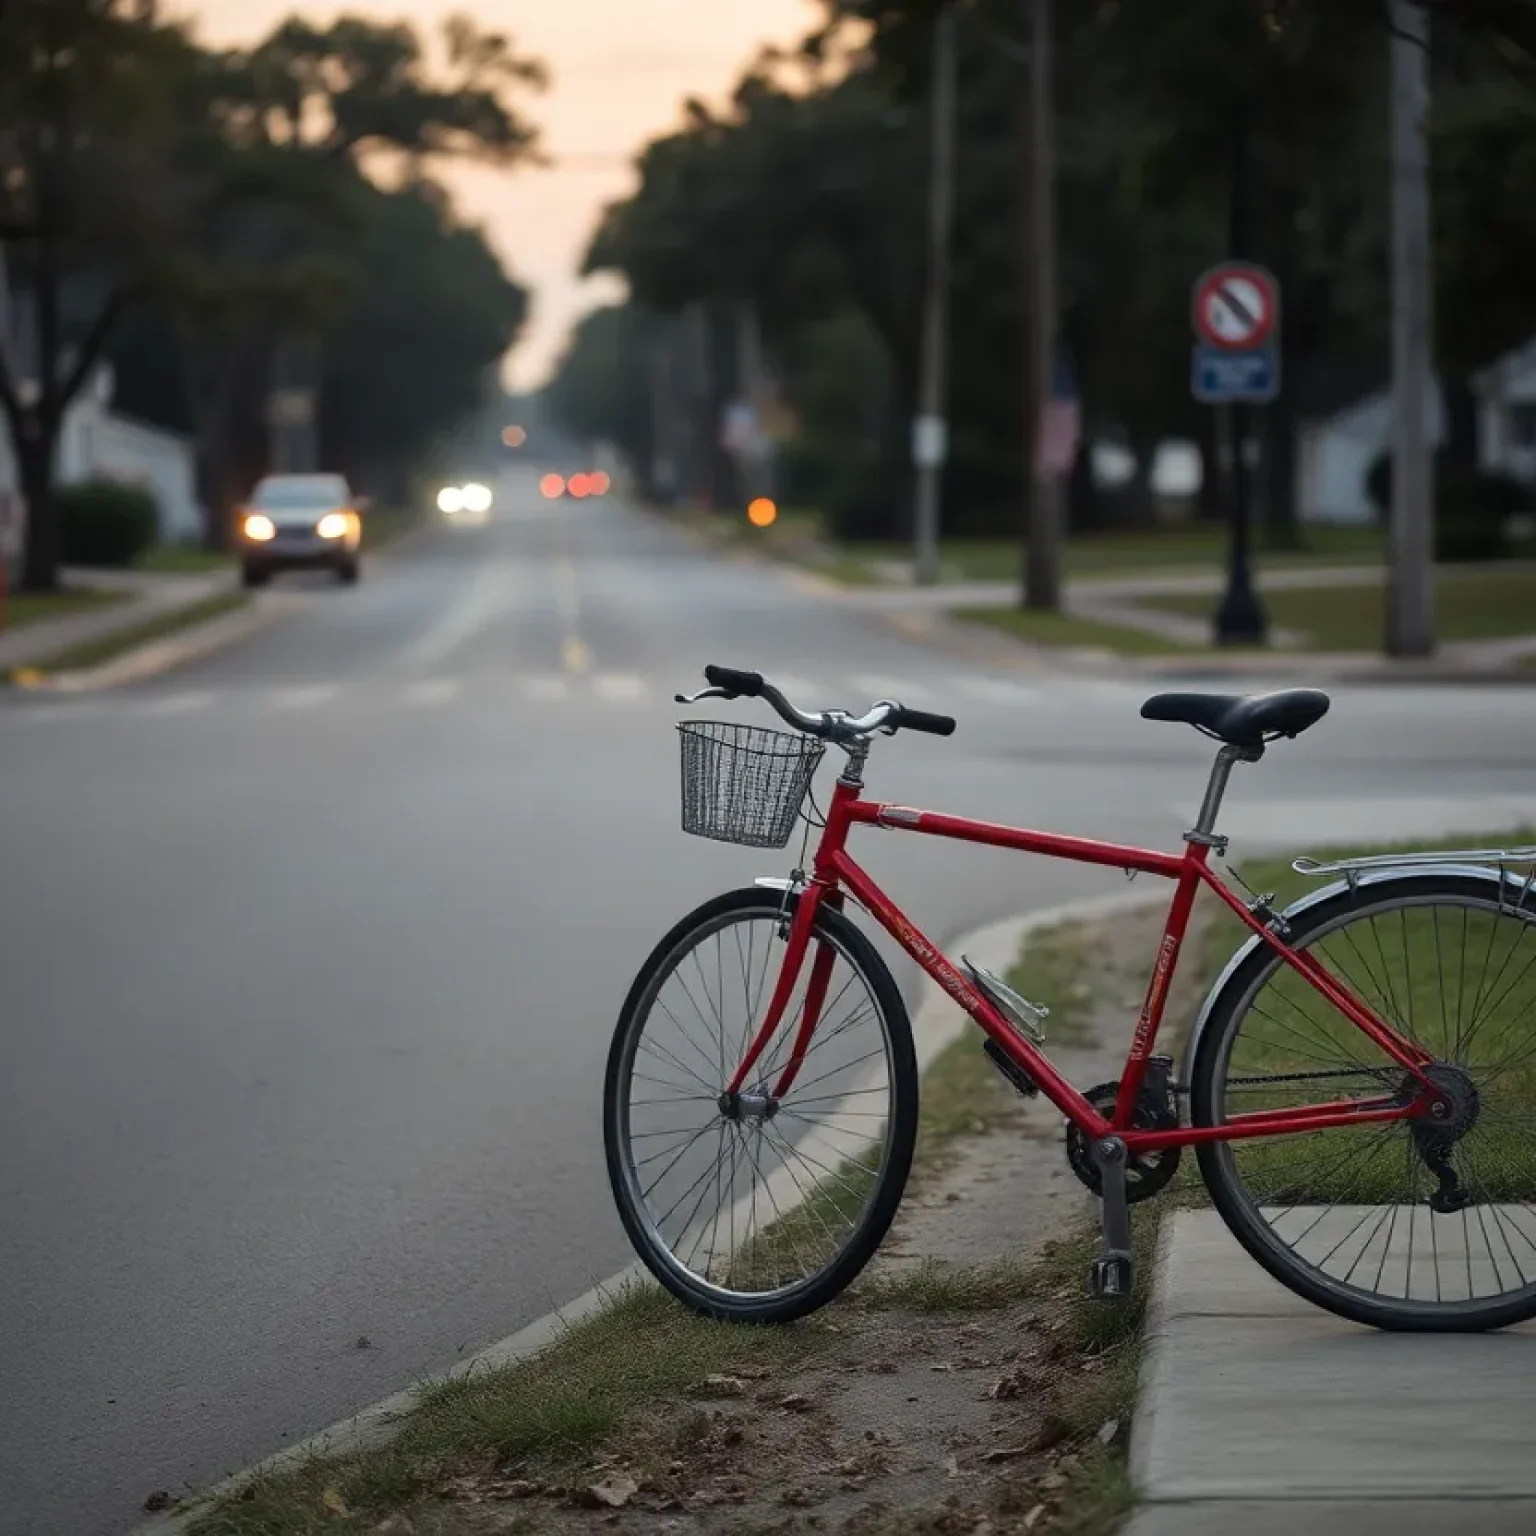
1473	507
104	523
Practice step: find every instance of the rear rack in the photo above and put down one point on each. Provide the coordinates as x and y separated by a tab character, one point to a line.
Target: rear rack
1499	856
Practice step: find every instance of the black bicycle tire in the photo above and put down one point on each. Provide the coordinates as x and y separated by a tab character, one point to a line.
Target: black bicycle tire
1214	1159
814	1293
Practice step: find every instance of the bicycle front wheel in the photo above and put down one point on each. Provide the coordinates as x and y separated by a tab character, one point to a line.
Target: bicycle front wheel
764	1210
1404	1224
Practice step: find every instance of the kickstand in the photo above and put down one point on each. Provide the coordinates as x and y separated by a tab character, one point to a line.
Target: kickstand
1111	1275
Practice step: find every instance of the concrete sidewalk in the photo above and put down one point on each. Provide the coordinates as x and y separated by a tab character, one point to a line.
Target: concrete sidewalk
151	595
1259	1413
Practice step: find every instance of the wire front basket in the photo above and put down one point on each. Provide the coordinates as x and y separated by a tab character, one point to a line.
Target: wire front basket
745	784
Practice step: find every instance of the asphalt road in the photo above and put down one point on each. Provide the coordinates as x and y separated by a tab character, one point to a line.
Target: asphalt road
312	952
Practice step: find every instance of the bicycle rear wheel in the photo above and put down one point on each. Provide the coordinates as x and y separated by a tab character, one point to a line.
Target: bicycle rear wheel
1405	1224
752	1213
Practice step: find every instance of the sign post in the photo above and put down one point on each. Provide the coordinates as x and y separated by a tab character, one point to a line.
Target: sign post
1235	363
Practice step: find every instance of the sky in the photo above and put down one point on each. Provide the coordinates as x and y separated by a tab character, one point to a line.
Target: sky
620	70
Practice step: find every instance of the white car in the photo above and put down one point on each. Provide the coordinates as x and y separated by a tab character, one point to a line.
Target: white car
299	522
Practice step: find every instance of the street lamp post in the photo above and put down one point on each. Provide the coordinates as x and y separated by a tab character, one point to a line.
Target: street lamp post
1240	619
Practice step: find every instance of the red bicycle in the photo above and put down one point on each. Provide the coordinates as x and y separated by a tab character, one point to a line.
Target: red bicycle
1361	1076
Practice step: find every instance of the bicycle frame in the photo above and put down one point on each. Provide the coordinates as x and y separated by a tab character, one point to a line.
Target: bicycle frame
834	871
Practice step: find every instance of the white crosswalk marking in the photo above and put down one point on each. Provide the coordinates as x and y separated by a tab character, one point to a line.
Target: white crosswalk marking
619	687
998	690
177	704
433	690
546	689
310	696
902	689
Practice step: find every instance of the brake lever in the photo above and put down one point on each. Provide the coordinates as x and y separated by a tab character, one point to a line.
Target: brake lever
704	693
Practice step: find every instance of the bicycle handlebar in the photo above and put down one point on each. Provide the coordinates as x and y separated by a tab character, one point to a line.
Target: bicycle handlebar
831	725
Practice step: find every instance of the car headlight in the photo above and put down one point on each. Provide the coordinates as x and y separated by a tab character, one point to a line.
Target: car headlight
477	498
259	527
450	500
332	526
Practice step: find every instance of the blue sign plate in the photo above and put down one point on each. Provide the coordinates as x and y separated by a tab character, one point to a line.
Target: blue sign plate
1219	377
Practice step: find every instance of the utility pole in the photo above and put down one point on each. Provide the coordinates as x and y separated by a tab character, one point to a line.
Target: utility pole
930	430
1410	607
1042	558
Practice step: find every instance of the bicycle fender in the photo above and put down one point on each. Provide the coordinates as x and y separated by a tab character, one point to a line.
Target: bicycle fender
1313	899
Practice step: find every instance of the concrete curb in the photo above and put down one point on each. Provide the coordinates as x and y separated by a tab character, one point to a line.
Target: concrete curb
168	651
936	1021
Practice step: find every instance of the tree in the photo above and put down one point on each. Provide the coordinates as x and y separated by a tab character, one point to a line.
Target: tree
287	211
431	311
87	214
599	391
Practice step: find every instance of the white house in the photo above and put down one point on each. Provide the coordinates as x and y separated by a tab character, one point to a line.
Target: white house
1506	414
97	443
1345	423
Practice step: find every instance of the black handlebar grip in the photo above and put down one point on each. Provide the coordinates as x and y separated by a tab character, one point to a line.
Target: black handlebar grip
740	685
921	720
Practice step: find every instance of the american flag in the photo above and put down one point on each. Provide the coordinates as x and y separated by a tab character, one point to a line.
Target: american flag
1060	424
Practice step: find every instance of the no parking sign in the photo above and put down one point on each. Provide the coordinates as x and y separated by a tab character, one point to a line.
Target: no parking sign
1235	311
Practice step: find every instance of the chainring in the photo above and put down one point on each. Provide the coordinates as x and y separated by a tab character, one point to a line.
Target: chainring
1146	1175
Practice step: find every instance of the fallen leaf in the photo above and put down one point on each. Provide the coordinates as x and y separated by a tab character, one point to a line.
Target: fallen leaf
1013	1383
723	1386
1007	1453
614	1491
796	1402
751	1372
333	1504
517	1488
1033	1518
952	1466
1108	1430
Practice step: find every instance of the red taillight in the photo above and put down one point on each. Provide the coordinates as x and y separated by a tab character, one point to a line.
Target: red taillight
552	486
578	485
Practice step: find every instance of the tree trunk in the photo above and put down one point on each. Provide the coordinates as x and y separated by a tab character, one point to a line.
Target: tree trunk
35	451
1082	493
1282	526
1140	503
1210	505
1460	423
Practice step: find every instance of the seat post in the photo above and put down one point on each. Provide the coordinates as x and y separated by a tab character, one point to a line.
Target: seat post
1204	831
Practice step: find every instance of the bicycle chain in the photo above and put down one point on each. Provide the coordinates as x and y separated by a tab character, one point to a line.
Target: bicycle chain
1380	1075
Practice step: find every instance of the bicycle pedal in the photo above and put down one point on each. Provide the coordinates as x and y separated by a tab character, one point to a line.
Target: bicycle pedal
1022	1082
1111	1277
1025	1015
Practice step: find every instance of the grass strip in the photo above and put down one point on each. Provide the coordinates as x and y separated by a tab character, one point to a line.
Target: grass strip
1469	605
1067	630
93	653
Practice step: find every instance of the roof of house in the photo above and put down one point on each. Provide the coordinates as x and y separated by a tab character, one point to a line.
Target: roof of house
1517	361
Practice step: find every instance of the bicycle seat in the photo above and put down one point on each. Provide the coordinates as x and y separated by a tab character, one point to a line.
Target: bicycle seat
1242	720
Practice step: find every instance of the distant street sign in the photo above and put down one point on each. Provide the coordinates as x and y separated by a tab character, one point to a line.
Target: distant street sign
1236	307
1220	376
